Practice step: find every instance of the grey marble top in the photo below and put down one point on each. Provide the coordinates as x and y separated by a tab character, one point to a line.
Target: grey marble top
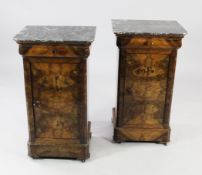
147	27
44	34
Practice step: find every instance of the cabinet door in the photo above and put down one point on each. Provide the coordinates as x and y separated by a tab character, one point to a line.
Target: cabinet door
145	89
55	88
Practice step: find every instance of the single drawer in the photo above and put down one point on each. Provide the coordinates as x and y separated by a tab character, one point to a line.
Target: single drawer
150	42
137	41
54	51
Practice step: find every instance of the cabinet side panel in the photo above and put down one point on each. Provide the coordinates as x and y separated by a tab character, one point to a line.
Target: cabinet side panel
83	102
121	87
29	98
169	91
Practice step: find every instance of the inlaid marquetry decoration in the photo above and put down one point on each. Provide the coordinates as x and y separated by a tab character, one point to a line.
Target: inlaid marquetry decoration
147	58
55	68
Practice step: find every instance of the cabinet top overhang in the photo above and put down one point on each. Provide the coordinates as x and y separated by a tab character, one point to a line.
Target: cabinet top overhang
56	34
148	28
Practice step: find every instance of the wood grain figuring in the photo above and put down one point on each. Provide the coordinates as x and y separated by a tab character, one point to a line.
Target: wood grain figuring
142	134
54	50
145	84
55	71
55	93
56	87
149	42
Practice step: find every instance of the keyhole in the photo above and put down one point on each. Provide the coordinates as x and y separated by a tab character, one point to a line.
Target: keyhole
54	51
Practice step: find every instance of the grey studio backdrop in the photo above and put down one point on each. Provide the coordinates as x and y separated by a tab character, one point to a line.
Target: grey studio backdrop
183	153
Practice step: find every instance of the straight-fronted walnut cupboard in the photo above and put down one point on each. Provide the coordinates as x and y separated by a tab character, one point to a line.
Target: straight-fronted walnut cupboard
147	58
55	61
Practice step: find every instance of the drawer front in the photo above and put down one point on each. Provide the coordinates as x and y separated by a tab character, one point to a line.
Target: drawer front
54	51
145	89
55	100
150	42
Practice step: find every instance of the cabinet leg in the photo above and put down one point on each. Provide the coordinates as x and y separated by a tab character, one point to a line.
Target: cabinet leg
83	160
118	141
164	143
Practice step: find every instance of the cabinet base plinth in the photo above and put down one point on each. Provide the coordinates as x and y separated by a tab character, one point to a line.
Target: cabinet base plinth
122	134
70	151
